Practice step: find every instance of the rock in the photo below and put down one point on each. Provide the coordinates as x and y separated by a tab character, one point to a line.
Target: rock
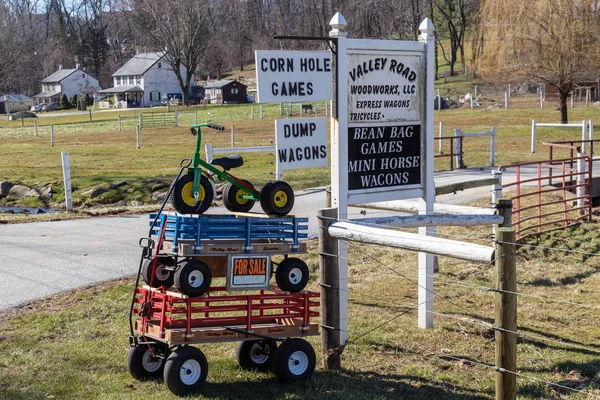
135	203
158	186
444	104
20	192
494	106
47	193
5	188
40	211
121	203
117	185
130	190
159	196
94	192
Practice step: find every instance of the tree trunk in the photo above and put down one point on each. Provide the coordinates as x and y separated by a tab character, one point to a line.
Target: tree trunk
564	96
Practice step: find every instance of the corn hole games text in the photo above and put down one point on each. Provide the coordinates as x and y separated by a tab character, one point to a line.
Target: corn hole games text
293	75
248	271
301	143
384	120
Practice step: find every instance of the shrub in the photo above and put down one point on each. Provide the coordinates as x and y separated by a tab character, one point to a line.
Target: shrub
64	102
74	100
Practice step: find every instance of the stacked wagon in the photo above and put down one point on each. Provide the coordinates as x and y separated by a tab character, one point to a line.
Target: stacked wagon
178	305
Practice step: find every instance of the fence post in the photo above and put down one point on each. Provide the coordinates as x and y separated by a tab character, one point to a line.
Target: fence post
260	108
67	180
587	96
583	135
439	100
457	148
509	90
541	98
581	175
301	110
22	121
140	120
280	109
441	147
51	135
493	147
90	115
506	315
177	118
137	136
119	122
327	109
36	127
533	136
572	100
591	136
330	305
471	96
475	90
506	96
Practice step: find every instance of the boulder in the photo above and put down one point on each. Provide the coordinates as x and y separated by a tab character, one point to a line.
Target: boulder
159	196
20	192
5	187
121	203
444	104
158	186
117	185
135	203
47	193
94	192
493	106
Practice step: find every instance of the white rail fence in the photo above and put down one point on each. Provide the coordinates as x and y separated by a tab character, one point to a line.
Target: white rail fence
587	129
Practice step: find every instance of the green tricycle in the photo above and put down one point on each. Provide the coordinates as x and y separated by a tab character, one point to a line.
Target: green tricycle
193	193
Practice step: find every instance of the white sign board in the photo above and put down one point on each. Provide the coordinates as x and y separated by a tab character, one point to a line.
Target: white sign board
293	75
301	143
248	271
384	87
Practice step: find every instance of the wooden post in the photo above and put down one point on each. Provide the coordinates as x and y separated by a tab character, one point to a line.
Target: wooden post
22	121
90	115
280	109
471	96
119	122
509	90
260	110
67	180
591	136
583	135
301	110
503	206
439	100
493	147
533	136
541	99
506	100
232	137
330	306
441	144
36	127
457	147
51	135
137	136
506	314
328	196
140	119
177	118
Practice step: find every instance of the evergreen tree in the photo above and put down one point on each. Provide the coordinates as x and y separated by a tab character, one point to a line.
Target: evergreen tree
64	102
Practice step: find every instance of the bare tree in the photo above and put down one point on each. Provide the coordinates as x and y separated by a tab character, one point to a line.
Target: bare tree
182	28
554	42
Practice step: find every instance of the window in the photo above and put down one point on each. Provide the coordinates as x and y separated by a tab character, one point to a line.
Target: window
138	80
159	65
83	75
118	80
154	96
234	91
131	80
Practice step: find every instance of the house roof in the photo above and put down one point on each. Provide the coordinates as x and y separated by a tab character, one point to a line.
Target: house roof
139	64
58	75
220	84
14	97
122	89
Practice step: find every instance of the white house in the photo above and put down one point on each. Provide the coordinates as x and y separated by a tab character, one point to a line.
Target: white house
69	82
145	79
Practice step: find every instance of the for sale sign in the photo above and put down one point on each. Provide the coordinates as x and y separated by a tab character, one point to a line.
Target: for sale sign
248	271
293	75
301	143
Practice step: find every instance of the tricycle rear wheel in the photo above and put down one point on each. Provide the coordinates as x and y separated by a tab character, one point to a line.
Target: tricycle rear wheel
233	198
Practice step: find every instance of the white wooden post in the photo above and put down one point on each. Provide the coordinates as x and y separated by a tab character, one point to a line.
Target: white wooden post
232	136
426	204
587	96
541	98
140	125
583	136
137	136
177	118
119	122
493	146
301	109
439	99
51	135
475	90
67	180
506	100
591	136
509	90
533	136
208	150
260	110
471	96
581	175
291	109
441	135
457	148
339	166
280	109
36	127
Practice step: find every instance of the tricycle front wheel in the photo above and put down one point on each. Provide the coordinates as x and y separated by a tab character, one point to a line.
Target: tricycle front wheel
277	198
183	199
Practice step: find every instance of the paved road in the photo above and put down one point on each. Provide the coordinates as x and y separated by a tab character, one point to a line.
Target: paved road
41	259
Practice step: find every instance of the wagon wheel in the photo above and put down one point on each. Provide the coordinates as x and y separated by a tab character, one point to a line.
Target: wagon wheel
186	370
193	278
277	198
294	360
292	275
162	275
233	198
255	354
183	199
144	364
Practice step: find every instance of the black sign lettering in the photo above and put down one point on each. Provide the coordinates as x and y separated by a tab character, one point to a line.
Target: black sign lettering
384	156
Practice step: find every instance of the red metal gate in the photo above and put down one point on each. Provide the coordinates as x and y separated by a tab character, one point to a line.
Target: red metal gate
549	195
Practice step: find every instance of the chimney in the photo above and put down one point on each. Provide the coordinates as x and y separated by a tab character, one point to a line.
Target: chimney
77	66
60	67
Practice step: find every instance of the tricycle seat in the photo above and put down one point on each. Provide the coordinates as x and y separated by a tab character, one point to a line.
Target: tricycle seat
229	162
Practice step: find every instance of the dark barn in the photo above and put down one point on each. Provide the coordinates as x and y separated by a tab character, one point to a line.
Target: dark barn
225	92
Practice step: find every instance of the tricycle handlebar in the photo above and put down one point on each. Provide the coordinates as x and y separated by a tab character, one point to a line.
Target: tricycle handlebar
207	124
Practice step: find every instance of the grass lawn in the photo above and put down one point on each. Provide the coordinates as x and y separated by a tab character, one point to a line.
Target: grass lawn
74	345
